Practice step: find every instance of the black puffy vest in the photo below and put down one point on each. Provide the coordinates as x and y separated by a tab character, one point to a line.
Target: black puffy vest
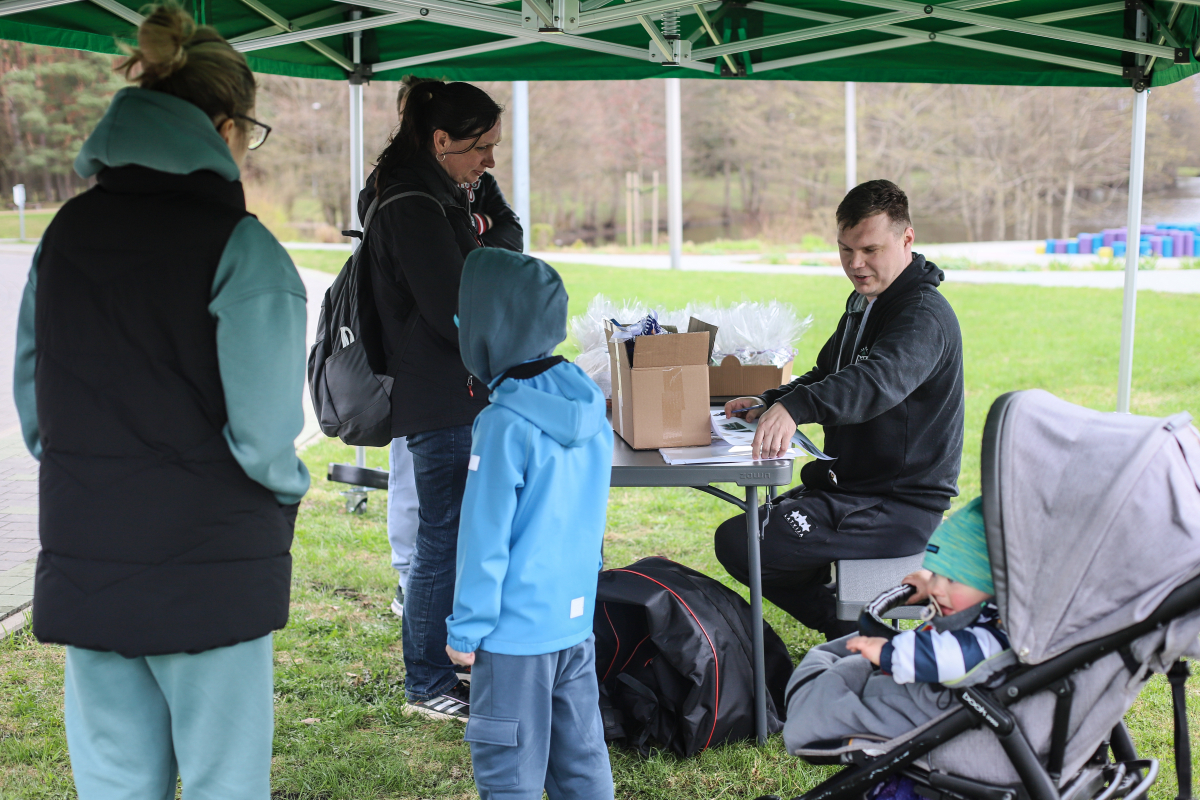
153	538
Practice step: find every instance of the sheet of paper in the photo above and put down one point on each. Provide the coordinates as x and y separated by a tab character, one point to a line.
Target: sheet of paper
737	431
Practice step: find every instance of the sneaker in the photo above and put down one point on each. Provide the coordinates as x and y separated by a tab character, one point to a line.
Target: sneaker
463	673
454	704
398	602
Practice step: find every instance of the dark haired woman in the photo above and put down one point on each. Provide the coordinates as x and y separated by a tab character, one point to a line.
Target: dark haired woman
497	226
416	248
159	369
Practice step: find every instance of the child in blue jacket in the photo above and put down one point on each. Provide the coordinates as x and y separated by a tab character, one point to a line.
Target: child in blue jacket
529	540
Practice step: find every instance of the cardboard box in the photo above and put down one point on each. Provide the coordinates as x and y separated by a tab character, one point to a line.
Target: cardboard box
660	399
733	379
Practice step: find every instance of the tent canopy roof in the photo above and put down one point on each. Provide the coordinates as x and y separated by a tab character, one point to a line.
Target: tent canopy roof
1014	42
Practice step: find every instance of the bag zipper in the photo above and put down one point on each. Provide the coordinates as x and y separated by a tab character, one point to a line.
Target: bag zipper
470	388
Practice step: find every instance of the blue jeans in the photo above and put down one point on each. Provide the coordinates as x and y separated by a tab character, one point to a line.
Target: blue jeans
136	725
535	724
440	461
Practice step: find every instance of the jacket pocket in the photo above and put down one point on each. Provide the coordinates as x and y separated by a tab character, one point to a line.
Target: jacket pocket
494	750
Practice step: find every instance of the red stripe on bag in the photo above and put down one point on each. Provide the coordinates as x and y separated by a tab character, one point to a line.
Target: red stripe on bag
716	661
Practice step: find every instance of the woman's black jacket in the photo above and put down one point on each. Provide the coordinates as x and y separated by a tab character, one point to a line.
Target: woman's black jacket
416	251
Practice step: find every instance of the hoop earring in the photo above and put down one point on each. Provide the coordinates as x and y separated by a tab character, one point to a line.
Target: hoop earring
441	157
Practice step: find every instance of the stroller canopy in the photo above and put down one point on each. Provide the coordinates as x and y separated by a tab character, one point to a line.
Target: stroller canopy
1092	518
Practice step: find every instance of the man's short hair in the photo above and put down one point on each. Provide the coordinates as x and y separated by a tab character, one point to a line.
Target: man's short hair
871	198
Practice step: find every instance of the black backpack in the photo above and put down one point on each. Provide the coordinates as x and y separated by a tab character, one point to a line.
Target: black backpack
347	372
674	658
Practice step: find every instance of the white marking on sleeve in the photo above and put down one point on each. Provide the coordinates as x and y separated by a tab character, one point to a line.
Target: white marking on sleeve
577	607
473	464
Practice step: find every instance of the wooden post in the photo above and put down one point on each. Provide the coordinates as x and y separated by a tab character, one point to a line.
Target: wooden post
637	209
654	212
629	209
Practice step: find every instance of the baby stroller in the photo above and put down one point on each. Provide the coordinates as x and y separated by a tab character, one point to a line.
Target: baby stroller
1093	528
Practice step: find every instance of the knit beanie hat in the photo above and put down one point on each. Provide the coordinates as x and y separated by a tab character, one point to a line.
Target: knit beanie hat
958	549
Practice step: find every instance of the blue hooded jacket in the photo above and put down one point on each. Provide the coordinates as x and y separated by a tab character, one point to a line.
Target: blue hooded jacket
534	510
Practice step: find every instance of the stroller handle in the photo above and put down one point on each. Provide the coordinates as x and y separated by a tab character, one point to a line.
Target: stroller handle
870	621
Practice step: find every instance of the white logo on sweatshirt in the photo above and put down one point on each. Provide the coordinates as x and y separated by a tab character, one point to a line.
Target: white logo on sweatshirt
799	522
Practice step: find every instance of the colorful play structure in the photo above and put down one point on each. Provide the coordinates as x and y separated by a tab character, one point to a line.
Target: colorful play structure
1165	240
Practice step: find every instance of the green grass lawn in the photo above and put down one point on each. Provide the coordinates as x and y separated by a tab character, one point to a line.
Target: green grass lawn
339	681
36	223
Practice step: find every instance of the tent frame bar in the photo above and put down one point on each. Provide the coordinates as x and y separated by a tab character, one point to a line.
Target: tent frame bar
1017	26
281	21
952	37
458	52
297	23
846	25
307	36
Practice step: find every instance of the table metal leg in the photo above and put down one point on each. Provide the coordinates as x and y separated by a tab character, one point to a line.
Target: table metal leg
754	561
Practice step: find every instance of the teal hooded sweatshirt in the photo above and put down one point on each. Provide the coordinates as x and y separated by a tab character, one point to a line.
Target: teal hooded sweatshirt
258	299
536	499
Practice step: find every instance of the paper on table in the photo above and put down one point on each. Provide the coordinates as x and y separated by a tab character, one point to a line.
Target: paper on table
736	431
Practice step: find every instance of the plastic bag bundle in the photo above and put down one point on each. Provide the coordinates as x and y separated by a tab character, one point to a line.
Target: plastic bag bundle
756	333
587	333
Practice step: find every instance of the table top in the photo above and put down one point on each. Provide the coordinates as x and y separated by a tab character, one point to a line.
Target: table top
647	468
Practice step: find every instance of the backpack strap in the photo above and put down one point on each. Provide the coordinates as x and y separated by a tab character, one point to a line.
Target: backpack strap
411	324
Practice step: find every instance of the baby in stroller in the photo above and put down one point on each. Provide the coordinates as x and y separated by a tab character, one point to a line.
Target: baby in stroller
898	685
1092	527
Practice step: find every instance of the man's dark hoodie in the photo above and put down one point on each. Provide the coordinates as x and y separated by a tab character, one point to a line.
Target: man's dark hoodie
891	400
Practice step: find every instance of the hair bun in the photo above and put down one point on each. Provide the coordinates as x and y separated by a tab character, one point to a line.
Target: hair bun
161	41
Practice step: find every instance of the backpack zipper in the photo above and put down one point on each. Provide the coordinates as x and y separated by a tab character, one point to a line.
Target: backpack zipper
470	388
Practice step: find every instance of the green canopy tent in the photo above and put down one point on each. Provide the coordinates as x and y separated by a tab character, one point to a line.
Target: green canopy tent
1136	44
1130	43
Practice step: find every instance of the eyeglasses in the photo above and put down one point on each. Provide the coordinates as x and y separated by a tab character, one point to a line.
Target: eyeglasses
258	132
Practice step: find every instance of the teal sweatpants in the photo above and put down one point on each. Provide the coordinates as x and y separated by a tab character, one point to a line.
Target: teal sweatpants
136	725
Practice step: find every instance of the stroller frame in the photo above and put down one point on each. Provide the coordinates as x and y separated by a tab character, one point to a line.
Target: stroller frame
1123	775
1126	776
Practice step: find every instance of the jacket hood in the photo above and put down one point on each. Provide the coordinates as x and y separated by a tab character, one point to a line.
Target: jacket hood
511	308
563	402
159	131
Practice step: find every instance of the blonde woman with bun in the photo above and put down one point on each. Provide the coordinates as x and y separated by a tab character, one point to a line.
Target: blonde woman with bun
159	371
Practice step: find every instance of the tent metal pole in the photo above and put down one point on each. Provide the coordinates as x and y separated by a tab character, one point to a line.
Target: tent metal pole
1137	171
356	163
851	137
520	158
674	173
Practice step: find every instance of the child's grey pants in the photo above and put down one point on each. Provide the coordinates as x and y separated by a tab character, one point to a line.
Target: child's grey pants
535	722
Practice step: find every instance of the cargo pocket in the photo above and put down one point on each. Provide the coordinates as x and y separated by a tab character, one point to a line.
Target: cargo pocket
494	751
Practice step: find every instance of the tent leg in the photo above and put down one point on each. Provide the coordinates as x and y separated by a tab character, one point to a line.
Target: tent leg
851	137
1137	170
520	157
357	179
674	173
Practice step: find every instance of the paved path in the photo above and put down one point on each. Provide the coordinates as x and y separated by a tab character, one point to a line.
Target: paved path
18	470
1161	280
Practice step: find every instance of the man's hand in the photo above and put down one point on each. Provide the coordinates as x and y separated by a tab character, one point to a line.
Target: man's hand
774	434
462	659
734	408
868	646
920	581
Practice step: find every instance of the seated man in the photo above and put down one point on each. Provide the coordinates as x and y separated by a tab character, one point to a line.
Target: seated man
888	389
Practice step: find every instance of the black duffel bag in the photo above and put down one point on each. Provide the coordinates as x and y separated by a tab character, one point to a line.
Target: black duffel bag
675	660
